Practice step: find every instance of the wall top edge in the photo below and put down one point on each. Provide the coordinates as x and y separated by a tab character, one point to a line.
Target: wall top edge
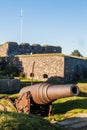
47	54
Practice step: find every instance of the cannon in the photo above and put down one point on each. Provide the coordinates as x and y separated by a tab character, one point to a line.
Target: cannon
38	98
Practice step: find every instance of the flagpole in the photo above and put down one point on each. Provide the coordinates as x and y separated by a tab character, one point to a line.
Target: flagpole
21	26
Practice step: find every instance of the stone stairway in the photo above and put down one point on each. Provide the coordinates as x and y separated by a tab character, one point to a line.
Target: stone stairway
74	123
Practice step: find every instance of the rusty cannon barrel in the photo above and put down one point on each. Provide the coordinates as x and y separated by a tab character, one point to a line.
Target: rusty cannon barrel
45	93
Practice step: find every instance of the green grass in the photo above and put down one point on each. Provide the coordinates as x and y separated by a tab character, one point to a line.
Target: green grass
27	80
68	107
72	106
9	95
17	121
62	109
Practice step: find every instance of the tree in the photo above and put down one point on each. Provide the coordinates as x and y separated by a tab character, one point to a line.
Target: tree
76	53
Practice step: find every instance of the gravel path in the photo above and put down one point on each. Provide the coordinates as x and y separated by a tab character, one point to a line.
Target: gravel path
74	123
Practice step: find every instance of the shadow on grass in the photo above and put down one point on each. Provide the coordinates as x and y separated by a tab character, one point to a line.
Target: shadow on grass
28	83
83	94
62	108
19	121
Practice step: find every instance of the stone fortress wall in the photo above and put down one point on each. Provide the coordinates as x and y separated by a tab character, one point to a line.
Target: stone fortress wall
12	48
51	67
75	68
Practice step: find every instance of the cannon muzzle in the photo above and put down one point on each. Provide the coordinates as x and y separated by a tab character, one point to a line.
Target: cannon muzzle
45	93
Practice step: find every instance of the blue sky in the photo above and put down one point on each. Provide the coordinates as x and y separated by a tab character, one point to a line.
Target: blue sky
53	22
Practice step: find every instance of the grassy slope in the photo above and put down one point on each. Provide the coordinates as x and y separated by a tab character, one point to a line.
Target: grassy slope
71	106
62	109
17	121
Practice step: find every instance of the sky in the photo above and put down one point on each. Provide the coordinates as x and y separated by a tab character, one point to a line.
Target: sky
45	22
